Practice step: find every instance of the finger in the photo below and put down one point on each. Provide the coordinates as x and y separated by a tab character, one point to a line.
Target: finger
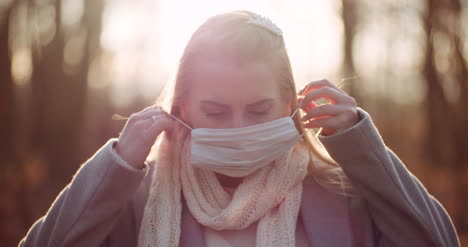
324	110
147	114
326	93
317	84
154	118
149	108
142	124
327	122
160	125
305	107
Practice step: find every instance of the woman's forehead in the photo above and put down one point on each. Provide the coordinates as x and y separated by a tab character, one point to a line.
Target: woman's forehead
225	80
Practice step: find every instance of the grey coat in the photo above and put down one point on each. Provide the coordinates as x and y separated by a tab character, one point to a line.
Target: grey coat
104	202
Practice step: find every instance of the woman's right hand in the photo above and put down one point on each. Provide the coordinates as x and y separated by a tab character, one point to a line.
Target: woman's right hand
139	134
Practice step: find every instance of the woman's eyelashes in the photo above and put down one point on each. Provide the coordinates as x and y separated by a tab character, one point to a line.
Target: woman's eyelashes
260	110
259	113
216	114
219	111
225	114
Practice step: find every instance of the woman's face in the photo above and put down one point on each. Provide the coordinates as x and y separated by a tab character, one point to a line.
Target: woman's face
228	94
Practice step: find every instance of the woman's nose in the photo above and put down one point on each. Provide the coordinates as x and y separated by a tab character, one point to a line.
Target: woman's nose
239	122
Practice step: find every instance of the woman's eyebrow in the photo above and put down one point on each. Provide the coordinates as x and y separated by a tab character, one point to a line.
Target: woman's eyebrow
261	102
214	103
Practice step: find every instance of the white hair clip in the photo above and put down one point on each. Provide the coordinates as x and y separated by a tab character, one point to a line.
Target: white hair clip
265	23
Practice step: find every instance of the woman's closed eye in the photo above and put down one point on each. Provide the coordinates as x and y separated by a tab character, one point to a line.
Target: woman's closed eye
260	109
217	114
259	113
213	109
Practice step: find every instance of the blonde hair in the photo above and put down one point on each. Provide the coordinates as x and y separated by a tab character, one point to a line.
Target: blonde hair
250	43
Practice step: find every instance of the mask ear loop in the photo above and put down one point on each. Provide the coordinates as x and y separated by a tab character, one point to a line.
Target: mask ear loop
295	111
180	121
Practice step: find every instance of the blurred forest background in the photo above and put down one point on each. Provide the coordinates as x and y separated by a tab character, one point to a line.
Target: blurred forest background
67	65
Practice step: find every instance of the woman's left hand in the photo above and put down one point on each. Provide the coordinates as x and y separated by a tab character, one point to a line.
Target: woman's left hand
339	115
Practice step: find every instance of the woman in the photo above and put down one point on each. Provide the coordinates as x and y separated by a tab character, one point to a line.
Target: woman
237	164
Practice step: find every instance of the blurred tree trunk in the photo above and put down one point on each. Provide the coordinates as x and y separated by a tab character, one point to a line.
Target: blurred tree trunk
7	144
447	138
12	196
53	101
460	113
58	99
349	17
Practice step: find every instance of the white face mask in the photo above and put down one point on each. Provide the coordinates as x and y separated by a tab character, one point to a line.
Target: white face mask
238	152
